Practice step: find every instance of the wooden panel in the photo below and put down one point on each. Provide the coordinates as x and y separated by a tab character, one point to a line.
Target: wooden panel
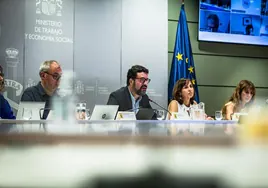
215	97
191	9
214	48
215	70
228	71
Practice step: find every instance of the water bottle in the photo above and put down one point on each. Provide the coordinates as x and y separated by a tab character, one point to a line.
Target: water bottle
64	103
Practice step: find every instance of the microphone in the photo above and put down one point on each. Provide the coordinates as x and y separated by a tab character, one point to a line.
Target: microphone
159	106
41	115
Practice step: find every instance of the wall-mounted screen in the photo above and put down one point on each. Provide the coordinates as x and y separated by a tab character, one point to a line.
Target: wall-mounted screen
234	21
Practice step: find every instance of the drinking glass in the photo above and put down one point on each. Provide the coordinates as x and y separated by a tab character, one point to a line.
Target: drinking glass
87	114
81	111
160	114
198	114
27	114
81	106
218	115
197	111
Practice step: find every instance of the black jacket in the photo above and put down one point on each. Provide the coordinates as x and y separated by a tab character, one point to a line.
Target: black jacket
122	98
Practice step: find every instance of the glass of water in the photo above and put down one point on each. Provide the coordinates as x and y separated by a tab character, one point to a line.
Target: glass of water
160	114
27	114
81	111
218	115
87	114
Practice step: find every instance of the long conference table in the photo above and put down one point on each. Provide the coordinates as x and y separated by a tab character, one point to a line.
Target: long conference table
40	153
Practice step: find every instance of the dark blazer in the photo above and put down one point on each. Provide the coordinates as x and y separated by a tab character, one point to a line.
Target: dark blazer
122	98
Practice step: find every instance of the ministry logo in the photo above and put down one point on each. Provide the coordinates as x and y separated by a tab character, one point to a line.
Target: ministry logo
79	88
12	53
49	7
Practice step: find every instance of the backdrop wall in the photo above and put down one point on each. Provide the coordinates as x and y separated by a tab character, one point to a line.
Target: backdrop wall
98	39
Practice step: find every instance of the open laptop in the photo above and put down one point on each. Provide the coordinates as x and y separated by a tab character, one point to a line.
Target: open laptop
104	112
29	110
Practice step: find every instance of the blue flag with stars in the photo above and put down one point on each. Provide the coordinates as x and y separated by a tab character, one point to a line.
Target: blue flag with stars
183	62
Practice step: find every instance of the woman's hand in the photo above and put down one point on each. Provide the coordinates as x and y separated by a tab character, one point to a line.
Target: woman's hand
208	118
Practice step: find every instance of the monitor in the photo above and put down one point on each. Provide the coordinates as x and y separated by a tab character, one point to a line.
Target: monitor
234	21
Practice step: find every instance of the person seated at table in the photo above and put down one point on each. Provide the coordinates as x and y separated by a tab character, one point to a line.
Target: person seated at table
133	96
50	73
183	99
5	109
241	99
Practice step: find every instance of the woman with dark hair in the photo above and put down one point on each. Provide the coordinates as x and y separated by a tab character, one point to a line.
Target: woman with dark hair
5	110
183	98
213	23
241	99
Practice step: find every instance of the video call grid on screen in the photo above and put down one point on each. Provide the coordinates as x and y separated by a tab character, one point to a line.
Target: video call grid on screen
234	21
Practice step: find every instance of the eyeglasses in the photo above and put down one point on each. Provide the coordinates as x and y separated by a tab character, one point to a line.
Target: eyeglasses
54	76
143	80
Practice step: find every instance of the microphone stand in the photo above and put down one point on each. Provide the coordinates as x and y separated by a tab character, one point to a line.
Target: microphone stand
159	106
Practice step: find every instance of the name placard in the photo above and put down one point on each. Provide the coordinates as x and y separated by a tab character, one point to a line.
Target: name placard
121	115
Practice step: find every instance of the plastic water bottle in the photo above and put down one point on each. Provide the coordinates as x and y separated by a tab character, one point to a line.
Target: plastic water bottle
64	104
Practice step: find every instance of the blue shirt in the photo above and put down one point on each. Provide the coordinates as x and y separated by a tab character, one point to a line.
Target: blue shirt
5	109
135	102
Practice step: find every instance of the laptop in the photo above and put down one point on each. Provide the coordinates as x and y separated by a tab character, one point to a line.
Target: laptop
145	114
104	112
29	110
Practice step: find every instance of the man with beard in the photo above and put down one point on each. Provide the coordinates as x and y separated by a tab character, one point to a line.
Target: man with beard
5	109
133	96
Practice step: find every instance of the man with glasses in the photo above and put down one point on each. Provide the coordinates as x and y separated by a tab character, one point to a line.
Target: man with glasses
50	73
133	96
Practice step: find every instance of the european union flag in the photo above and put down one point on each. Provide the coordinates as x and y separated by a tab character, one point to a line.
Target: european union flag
183	61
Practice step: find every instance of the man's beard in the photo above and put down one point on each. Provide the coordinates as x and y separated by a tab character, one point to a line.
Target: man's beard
140	91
